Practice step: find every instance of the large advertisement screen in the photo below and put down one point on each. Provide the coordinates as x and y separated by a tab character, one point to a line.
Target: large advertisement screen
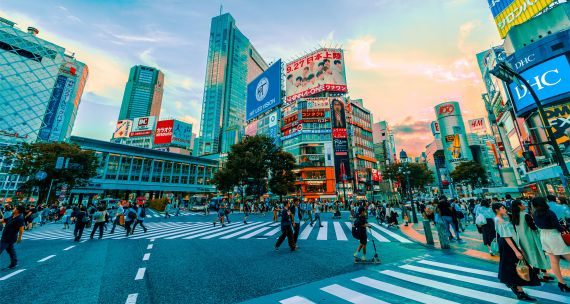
550	81
340	139
123	128
143	126
559	118
163	134
54	102
264	92
508	13
59	124
320	71
181	134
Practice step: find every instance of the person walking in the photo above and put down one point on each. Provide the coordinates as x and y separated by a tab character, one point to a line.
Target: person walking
360	225
119	214
296	219
286	230
130	217
99	220
488	224
446	217
167	210
12	234
316	211
177	209
80	217
510	255
275	212
226	210
246	211
551	238
141	214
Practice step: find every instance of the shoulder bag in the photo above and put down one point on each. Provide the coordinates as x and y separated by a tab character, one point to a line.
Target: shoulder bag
523	270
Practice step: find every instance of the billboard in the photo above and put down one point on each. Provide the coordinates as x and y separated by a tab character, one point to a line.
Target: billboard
508	13
550	81
340	139
181	134
53	105
477	125
264	92
318	103
454	137
123	128
447	109
251	128
319	71
163	134
434	128
143	126
59	119
376	175
559	118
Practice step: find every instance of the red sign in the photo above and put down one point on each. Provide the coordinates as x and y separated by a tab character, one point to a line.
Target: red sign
376	175
339	133
163	133
308	113
446	109
140	133
290	119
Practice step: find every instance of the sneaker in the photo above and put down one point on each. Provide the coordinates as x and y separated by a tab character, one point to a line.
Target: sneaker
355	255
12	266
276	248
363	258
460	241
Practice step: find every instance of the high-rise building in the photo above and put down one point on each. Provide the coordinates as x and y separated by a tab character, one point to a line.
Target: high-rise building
384	144
143	93
361	144
232	63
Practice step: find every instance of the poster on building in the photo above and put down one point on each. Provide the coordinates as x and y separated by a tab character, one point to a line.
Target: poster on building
508	13
251	128
143	126
435	128
123	128
340	139
163	134
559	118
376	175
318	103
181	134
53	105
477	126
319	71
264	92
59	121
329	155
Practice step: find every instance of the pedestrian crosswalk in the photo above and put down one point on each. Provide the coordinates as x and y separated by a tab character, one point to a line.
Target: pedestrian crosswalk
155	214
421	280
328	231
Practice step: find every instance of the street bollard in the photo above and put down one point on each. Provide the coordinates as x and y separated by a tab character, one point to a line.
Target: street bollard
443	236
427	232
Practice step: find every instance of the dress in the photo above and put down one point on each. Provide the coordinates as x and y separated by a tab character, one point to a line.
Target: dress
488	229
528	238
508	262
550	237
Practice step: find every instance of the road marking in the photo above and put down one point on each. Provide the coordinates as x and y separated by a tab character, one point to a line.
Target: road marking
466	292
152	240
339	232
400	291
200	232
392	234
273	232
132	298
11	274
140	274
322	236
149	246
66	249
239	232
351	295
296	300
249	235
215	230
476	281
179	230
46	258
464	269
83	241
164	232
146	256
377	236
306	232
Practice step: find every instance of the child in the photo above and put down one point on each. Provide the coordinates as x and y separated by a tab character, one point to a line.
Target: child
361	223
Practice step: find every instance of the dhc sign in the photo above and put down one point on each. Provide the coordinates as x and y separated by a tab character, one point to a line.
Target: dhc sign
548	80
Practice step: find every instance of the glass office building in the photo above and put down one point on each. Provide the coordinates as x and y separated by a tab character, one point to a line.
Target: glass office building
143	93
232	63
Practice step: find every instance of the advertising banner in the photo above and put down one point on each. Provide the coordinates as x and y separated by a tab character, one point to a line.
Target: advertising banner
477	125
251	128
376	175
329	156
340	139
181	134
58	124
143	126
318	103
317	72
435	128
508	13
447	109
550	81
163	134
53	105
559	118
123	128
264	92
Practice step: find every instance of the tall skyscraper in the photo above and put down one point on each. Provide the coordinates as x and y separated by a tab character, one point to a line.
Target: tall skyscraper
143	93
40	87
232	63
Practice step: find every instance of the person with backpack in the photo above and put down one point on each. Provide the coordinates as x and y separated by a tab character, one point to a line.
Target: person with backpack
286	229
99	220
81	219
359	232
130	217
141	214
120	212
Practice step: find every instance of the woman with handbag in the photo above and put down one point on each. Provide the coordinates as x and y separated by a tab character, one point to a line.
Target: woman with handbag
528	238
510	256
485	219
551	238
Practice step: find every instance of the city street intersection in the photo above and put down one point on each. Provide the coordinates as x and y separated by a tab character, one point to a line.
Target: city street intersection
186	259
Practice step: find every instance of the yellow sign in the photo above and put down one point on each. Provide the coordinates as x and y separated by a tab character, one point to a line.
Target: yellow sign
456	147
519	11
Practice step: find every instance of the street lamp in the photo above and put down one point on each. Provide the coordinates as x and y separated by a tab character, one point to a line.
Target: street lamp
406	172
504	72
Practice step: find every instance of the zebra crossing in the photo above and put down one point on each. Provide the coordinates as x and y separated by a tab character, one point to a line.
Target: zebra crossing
422	280
155	214
330	231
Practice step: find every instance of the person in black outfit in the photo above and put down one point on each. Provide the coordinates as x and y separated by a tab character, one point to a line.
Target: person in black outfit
12	233
286	230
81	219
362	224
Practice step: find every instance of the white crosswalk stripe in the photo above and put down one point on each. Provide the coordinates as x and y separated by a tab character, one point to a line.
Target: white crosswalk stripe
421	281
330	231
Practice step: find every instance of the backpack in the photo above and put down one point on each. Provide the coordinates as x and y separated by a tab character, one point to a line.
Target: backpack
85	218
132	215
97	215
143	212
356	229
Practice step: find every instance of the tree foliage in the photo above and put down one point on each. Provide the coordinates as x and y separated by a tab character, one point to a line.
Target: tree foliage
419	176
257	164
35	157
470	172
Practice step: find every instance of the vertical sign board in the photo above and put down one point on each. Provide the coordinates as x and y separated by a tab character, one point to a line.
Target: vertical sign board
58	124
181	134
559	118
264	92
53	105
340	139
508	13
273	130
123	128
163	134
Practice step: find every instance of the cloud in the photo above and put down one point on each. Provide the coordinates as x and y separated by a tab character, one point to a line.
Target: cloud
465	31
411	126
412	135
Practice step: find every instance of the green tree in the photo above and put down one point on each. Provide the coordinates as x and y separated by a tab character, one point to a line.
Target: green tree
282	179
470	172
35	157
419	175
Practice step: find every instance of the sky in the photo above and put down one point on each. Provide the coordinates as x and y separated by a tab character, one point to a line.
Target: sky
403	57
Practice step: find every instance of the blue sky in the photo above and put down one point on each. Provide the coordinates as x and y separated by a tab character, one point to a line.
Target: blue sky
402	56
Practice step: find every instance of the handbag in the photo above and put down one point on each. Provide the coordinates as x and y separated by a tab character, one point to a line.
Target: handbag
566	237
523	270
495	245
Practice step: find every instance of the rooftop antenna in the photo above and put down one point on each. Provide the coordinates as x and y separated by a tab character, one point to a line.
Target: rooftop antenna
221	8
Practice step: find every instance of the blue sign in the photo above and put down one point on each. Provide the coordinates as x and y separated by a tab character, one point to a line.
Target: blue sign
264	92
549	80
498	6
53	105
